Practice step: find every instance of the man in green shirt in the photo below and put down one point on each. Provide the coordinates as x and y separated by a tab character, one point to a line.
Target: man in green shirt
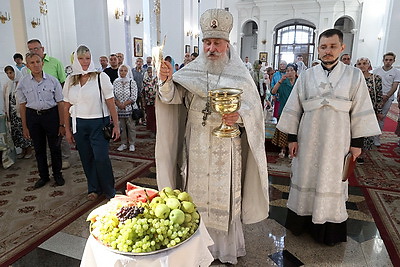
55	68
52	65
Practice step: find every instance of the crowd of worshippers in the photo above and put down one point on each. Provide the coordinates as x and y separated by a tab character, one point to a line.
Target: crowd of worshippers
134	89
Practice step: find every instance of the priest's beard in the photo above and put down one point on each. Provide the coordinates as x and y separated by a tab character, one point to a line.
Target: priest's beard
216	66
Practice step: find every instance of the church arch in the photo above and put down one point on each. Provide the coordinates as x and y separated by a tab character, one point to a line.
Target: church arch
346	25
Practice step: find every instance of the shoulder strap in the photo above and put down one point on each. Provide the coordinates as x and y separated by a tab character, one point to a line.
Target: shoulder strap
101	98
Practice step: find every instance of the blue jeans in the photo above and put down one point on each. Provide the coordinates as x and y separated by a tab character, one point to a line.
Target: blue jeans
93	151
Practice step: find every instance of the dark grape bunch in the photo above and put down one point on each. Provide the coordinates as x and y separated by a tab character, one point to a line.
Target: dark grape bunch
126	213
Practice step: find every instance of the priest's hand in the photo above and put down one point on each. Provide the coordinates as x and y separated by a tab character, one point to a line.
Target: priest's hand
293	147
355	151
231	118
165	73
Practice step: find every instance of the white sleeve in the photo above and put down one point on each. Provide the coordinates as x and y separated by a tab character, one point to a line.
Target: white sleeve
171	93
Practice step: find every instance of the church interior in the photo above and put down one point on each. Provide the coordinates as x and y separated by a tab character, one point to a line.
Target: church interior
263	30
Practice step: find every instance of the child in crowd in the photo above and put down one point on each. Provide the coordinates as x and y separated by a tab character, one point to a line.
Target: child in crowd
125	93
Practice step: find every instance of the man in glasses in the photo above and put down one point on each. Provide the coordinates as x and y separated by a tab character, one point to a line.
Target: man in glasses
346	59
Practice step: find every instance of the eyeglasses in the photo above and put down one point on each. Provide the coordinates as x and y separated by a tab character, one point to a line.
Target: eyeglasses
35	49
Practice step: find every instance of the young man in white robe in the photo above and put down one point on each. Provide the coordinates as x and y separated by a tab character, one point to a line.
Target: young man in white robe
326	116
227	177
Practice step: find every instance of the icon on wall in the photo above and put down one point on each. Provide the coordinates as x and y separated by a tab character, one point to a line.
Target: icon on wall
138	47
263	57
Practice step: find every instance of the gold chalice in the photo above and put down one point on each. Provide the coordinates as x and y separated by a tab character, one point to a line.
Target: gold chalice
225	101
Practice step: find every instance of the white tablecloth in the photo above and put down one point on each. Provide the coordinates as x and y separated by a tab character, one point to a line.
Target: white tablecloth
194	253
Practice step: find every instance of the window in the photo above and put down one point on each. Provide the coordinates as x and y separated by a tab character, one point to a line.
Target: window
292	40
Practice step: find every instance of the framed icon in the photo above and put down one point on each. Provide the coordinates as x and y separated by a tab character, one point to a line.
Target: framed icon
263	57
138	47
187	48
196	49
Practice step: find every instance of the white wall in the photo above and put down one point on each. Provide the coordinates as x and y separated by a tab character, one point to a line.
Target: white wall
373	25
393	30
92	28
7	44
172	26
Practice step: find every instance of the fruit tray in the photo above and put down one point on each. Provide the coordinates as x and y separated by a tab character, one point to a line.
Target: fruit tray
145	221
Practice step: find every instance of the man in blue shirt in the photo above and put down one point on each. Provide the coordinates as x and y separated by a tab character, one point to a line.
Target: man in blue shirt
41	105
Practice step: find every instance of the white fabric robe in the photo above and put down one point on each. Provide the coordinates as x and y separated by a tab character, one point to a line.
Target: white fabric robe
208	160
325	112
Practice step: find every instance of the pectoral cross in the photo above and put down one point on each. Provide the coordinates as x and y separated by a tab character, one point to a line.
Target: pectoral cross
206	111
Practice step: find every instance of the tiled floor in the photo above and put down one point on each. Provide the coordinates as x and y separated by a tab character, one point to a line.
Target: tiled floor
267	242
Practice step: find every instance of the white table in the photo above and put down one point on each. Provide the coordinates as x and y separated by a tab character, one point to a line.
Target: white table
194	253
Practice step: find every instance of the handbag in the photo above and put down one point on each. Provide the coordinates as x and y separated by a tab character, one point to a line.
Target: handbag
107	129
136	113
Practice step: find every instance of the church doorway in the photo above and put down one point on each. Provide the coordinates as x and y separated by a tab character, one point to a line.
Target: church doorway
294	38
249	38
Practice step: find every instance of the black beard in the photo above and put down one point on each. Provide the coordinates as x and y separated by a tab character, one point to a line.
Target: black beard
330	62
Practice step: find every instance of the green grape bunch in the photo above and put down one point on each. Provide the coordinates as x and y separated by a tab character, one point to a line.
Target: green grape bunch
164	221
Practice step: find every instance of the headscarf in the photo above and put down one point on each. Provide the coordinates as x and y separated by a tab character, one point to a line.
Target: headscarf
129	75
76	66
18	74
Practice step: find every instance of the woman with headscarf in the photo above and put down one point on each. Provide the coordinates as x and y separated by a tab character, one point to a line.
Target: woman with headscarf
374	84
126	92
90	106
284	87
11	110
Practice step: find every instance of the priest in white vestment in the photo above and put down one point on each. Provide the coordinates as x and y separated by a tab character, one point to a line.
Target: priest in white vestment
227	177
326	116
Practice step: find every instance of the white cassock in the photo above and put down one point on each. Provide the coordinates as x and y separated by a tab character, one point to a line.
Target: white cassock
226	177
325	112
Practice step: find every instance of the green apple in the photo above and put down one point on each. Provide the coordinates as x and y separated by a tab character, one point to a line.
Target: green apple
172	203
161	211
187	206
177	216
184	196
155	201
